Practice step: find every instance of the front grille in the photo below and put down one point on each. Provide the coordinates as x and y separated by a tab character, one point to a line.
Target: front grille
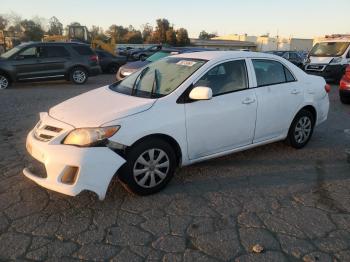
53	129
45	132
315	67
45	137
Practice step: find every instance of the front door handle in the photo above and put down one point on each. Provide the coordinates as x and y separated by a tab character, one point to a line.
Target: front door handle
295	92
248	101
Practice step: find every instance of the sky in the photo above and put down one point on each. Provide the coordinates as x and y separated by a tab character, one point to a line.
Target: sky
292	18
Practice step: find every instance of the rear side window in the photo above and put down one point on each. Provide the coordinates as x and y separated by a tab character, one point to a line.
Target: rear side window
55	51
83	50
269	72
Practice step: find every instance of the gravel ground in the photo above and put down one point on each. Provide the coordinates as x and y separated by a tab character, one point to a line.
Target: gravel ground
291	204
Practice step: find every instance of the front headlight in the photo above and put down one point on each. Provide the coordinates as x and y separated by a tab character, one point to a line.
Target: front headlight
336	60
125	72
90	136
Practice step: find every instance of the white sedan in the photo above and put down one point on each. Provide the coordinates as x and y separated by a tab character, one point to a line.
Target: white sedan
175	112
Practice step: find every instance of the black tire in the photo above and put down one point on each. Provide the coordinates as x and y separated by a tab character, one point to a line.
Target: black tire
344	100
113	68
78	75
132	183
4	81
294	135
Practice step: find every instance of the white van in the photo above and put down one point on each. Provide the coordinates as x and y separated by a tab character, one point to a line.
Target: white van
329	57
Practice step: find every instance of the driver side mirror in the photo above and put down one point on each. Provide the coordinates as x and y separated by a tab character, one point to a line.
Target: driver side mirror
201	93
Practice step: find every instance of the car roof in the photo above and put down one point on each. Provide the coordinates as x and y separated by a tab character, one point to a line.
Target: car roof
217	55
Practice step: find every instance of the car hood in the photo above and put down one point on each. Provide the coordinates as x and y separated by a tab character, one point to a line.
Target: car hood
133	66
320	60
97	107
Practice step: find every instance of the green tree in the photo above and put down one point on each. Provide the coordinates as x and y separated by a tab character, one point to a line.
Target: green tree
205	36
171	36
118	32
31	31
133	37
3	22
182	37
159	34
55	26
147	31
97	33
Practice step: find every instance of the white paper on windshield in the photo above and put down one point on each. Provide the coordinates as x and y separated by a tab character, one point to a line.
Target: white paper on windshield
186	63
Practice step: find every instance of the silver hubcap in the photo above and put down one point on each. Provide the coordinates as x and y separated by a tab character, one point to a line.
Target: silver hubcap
79	76
3	82
302	130
151	168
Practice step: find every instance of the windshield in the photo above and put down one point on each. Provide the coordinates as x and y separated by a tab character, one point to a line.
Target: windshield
159	78
10	52
329	49
157	56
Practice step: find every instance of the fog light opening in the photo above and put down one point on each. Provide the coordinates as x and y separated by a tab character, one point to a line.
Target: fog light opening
69	175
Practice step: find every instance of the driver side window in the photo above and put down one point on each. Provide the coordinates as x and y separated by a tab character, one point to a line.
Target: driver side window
28	53
225	78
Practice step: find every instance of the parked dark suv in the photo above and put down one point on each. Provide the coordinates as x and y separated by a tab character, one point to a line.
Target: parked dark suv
42	61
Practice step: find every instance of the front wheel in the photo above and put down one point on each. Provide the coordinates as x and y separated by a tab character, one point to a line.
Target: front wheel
78	76
149	168
4	81
301	129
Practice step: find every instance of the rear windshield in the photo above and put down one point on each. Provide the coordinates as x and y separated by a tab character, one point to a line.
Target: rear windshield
83	50
329	49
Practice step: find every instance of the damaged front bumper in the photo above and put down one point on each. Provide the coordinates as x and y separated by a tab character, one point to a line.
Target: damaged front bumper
71	169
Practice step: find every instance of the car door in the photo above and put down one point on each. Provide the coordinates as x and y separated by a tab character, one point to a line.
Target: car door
279	96
226	121
52	60
26	63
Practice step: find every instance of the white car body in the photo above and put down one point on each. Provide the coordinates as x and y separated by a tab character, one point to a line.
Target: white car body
201	130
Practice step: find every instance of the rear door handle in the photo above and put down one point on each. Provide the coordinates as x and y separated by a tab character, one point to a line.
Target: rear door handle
295	92
248	101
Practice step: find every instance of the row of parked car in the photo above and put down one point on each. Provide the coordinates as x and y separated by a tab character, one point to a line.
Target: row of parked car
72	61
76	62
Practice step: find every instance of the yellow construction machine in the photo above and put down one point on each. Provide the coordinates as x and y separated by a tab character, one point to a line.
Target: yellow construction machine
80	33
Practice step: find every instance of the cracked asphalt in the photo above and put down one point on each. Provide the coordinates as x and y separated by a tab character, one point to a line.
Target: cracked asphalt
295	204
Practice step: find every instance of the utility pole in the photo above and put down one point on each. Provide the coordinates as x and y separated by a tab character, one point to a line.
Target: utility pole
277	39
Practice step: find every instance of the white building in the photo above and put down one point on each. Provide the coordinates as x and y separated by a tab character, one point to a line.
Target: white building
267	43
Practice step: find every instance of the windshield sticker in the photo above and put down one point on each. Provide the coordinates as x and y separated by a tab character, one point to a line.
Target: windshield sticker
186	63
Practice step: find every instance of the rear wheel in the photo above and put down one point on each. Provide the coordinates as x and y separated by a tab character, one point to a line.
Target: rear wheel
4	81
149	168
301	129
78	75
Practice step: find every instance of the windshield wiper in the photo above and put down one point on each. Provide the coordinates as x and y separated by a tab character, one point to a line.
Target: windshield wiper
138	79
155	82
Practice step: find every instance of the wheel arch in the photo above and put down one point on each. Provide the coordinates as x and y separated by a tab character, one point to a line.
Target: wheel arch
311	109
7	74
167	138
77	66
